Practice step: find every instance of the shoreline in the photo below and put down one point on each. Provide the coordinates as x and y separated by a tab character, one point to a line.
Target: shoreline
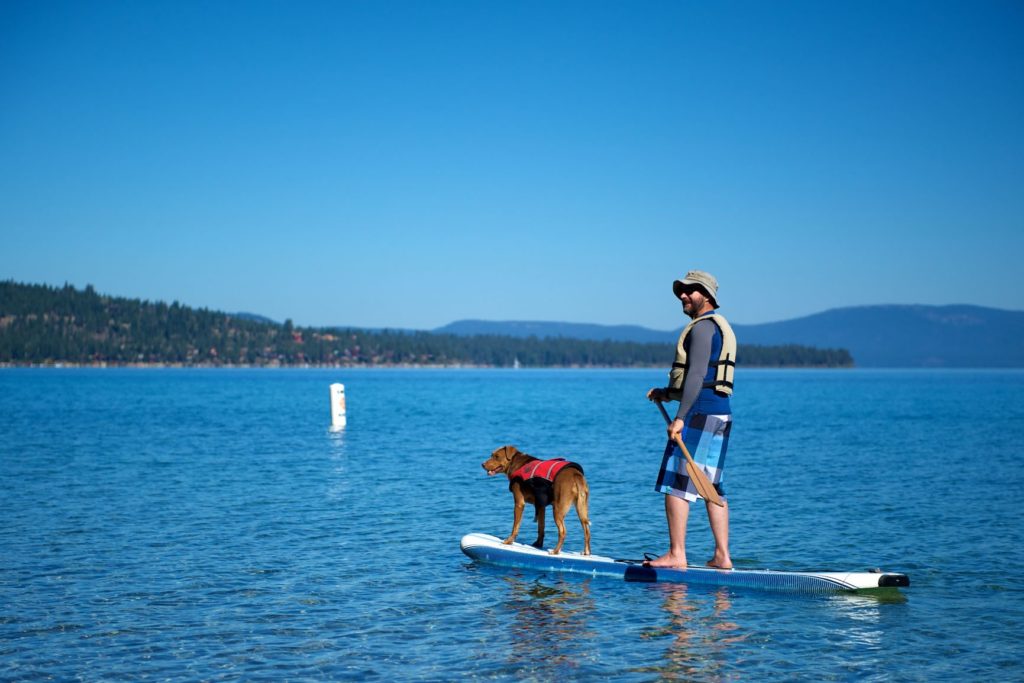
370	366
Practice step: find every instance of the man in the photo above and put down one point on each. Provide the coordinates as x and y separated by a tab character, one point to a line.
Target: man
701	380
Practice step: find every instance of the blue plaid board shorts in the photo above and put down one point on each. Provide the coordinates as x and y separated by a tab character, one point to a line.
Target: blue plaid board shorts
707	439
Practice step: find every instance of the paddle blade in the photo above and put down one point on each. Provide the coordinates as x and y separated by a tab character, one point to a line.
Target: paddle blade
704	487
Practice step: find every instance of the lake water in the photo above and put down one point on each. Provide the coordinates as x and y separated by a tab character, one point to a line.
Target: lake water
206	525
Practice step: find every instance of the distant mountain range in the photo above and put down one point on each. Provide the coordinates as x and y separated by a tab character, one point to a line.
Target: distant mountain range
909	336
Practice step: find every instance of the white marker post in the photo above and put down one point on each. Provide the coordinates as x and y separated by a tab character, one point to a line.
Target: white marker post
338	419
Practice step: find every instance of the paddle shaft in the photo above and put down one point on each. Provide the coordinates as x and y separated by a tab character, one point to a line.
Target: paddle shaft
700	480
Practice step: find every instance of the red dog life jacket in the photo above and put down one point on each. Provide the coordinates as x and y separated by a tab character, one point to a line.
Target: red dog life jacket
543	469
537	476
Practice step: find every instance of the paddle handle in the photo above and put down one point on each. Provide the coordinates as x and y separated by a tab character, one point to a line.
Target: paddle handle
682	447
679	441
664	413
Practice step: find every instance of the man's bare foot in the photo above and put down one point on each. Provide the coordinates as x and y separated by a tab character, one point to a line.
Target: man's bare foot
668	560
720	562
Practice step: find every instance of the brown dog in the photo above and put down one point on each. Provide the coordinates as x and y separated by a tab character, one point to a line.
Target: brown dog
529	485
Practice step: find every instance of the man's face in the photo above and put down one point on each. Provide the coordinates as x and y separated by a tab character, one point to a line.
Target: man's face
693	299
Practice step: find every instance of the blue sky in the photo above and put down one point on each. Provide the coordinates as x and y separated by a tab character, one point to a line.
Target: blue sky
407	164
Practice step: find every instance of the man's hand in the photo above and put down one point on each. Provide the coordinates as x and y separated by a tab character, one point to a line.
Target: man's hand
657	394
675	430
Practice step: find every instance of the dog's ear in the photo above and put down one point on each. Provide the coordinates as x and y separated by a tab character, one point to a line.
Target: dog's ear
510	452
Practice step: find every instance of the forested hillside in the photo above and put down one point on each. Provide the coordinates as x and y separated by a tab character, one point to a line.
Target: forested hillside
40	324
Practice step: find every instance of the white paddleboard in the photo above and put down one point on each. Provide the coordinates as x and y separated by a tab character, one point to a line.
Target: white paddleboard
491	550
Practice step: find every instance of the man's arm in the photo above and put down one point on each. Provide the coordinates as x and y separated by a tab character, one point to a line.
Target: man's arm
698	356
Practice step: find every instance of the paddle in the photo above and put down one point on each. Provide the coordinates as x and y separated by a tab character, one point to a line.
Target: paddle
700	480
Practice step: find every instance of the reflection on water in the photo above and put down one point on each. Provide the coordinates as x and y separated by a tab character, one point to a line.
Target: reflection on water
549	626
867	598
338	482
699	633
571	627
861	623
555	629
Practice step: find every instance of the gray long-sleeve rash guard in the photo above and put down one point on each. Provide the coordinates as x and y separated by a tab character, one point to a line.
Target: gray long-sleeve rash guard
698	356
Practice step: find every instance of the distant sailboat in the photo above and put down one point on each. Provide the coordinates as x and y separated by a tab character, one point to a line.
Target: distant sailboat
515	363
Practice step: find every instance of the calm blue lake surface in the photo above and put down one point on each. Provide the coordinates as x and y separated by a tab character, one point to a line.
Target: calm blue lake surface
206	525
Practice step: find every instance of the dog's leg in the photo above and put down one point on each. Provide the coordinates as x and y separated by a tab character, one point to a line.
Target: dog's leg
583	512
517	514
560	508
539	543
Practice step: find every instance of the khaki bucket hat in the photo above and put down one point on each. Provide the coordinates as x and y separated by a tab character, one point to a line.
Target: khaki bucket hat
705	281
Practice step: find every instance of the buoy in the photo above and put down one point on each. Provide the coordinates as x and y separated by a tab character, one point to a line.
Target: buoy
338	419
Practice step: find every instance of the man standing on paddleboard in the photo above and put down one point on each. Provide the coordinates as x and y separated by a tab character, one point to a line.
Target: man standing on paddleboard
701	380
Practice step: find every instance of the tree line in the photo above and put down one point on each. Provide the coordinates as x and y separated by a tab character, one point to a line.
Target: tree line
40	325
